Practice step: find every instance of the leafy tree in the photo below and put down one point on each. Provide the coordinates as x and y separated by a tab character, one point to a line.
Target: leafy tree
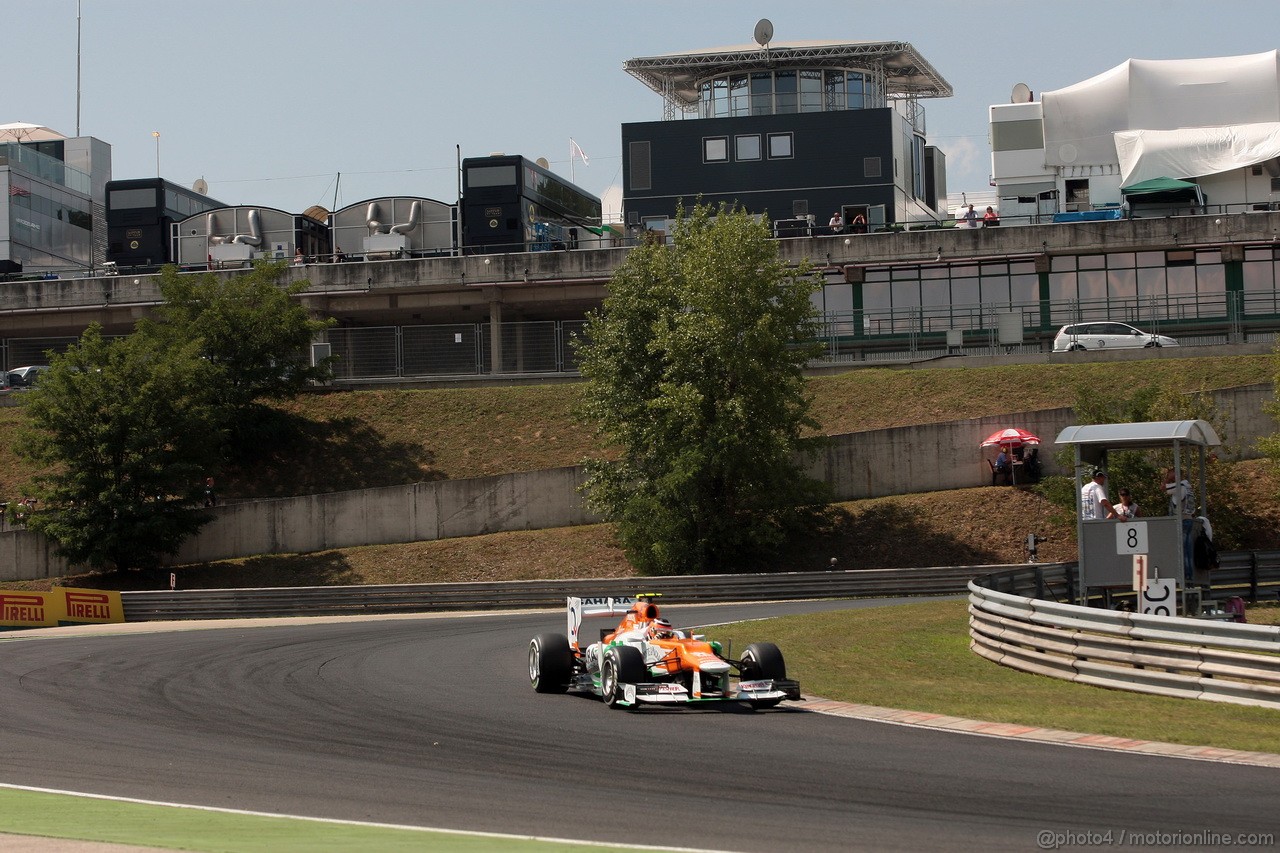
250	328
694	374
127	431
1270	445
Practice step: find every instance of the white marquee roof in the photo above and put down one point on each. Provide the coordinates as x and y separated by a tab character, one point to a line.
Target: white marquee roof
1176	118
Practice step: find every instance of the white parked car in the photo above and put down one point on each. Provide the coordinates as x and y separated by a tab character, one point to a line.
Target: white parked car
1106	335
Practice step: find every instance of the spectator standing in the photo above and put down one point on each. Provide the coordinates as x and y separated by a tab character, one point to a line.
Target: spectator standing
971	219
1094	504
1182	502
837	223
210	497
990	218
859	224
1181	498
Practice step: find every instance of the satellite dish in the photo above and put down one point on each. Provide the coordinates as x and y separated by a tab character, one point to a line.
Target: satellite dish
1021	94
200	186
764	32
542	161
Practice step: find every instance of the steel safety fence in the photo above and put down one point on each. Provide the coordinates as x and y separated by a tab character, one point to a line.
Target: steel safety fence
365	353
526	347
446	350
419	598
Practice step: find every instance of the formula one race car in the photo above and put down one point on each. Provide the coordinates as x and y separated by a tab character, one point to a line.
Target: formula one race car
646	661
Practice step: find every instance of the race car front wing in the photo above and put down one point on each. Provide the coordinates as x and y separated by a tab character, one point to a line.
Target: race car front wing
670	693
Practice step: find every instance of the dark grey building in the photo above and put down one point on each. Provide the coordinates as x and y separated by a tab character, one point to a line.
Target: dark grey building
794	132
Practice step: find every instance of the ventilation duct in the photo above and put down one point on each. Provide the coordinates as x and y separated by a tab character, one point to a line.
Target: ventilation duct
373	219
415	210
254	237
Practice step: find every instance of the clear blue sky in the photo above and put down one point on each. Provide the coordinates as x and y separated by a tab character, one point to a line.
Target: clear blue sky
269	100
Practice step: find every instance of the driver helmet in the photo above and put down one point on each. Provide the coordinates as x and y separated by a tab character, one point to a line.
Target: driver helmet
662	629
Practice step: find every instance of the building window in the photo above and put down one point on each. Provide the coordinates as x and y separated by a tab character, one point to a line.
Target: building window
780	147
810	91
1025	135
715	149
784	87
641	173
762	93
870	167
746	147
739	102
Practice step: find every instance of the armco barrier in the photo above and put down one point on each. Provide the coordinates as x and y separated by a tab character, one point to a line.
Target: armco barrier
1166	656
419	598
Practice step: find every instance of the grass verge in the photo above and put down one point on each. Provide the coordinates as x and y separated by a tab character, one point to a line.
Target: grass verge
916	657
86	819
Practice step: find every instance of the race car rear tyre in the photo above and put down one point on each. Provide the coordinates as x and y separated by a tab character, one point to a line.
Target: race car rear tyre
622	665
550	663
761	661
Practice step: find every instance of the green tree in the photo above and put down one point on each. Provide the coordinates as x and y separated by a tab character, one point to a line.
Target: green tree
252	330
127	431
1270	445
694	375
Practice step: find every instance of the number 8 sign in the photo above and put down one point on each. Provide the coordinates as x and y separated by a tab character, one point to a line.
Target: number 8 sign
1131	537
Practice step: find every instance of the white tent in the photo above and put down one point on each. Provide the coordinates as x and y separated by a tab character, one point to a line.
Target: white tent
1168	118
1195	151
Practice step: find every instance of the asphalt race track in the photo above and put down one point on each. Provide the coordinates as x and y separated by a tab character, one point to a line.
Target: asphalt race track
432	722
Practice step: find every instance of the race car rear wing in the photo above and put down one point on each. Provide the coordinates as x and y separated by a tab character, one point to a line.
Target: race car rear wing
579	608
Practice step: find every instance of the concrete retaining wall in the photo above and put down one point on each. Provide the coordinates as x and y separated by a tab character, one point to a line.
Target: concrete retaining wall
877	463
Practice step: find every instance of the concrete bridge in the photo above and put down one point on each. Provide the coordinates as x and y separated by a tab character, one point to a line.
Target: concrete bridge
564	285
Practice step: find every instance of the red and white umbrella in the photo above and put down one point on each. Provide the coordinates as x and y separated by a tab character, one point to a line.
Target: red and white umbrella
1012	436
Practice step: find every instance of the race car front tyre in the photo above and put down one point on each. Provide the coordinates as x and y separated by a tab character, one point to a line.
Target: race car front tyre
550	663
622	665
763	661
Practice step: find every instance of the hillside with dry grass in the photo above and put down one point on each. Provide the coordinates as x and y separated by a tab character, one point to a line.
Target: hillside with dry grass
349	440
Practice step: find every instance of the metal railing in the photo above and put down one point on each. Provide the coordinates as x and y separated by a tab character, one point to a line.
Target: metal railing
1019	618
422	598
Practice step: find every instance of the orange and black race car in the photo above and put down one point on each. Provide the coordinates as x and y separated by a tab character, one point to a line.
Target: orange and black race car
646	661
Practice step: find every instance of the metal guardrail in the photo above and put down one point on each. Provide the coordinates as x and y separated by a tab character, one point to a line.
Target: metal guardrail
1162	655
420	598
1249	574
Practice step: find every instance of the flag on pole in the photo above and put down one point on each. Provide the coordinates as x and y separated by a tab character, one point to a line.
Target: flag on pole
576	151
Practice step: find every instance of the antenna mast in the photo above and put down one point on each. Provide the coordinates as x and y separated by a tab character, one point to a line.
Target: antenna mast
77	68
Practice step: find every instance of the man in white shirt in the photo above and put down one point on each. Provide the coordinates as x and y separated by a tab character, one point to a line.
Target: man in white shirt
1094	504
1181	498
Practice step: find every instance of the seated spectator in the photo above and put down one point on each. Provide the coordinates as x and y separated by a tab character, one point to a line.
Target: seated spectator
1031	464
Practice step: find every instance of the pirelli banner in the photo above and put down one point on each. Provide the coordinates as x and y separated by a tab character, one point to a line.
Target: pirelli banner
63	606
